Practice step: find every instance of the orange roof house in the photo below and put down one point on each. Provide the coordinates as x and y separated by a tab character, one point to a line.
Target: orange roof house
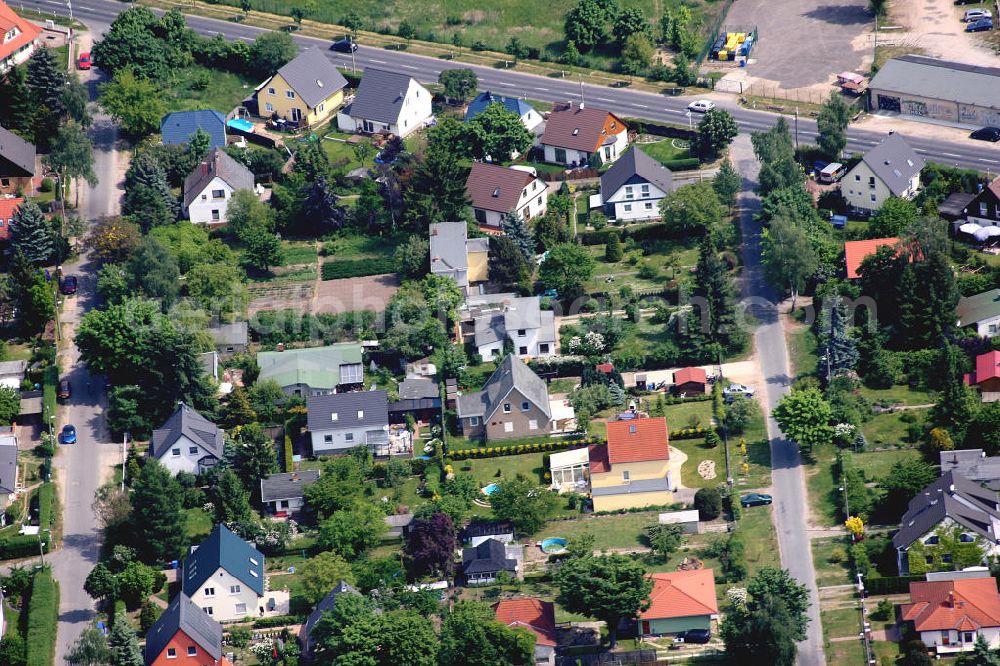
680	600
18	39
538	617
633	468
7	209
690	380
639	440
856	252
951	613
576	132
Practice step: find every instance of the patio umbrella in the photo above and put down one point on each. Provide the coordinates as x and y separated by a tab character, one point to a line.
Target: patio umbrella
969	228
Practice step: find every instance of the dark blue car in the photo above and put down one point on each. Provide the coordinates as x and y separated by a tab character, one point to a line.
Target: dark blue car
980	25
68	434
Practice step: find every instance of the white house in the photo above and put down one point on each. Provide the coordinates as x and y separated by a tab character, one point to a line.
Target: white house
634	186
951	611
497	190
285	492
18	40
224	576
890	169
530	329
386	103
341	421
208	189
575	132
981	311
187	442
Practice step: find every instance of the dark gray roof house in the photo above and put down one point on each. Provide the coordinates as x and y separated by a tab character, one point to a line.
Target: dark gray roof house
230	338
486	560
380	95
186	422
417	394
356	409
178	127
182	615
222	549
512	373
8	467
286	485
895	163
217	164
17	156
325	605
313	76
973	464
635	167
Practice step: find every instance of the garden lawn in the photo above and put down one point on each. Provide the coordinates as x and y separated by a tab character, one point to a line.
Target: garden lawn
341	154
898	395
299	252
669	258
199	524
827	572
841	622
488	470
354	245
222	90
845	652
665	150
802	351
890	429
616	531
688	414
759	537
824	498
563	385
876	464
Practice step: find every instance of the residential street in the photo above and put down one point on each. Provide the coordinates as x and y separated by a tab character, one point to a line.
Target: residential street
787	478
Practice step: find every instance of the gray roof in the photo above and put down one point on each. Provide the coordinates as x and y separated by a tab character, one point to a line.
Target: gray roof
380	95
223	549
373	405
286	485
415	388
489	556
13	368
18	152
519	313
512	373
186	421
972	464
8	467
313	76
894	162
183	615
229	334
326	604
478	244
489	329
953	496
978	307
633	167
217	163
637	486
178	127
940	79
449	251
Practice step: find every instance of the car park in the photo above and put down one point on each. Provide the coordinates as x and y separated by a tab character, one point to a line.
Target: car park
69	285
755	499
83	62
701	106
65	389
979	26
986	134
344	46
976	15
68	434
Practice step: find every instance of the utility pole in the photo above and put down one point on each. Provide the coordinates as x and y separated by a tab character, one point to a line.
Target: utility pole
124	459
796	127
581	91
725	430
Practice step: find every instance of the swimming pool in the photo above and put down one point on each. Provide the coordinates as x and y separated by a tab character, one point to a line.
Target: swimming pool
553	545
241	124
490	489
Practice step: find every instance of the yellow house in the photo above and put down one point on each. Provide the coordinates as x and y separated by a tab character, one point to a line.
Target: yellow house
633	469
308	90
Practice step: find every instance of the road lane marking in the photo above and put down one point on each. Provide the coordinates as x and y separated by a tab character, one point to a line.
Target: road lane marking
381	62
542	89
641	106
603	99
983	159
673	111
949	154
408	66
510	85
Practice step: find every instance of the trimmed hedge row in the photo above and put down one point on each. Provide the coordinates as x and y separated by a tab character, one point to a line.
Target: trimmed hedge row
339	269
289	465
642	232
689	433
19	545
534	447
277	621
683	164
46	497
43	610
891	584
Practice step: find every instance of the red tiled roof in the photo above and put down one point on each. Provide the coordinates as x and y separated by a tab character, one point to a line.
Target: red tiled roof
598	454
29	31
855	252
495	187
7	209
606	368
987	367
578	129
685	375
538	617
963	605
638	440
681	594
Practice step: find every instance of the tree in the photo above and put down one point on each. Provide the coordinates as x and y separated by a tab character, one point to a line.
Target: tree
411	258
157	518
302	9
516	48
878	7
472	636
136	105
566	268
570	55
981	654
431	544
113	239
804	417
321	573
112	506
516	229
123	644
10	405
232	500
551	229
71	154
91	649
760	634
246	212
928	296
506	262
727	183
637	53
321	206
904	480
893	218
271	51
586	25
135	583
238	410
38	305
337	488
255	455
788	256
132	42
263	249
46	81
664	540
831	125
16	106
437	187
497	134
631	21
716	130
459	84
148	199
523	503
609	588
721	326
708	502
774	583
352	532
154	271
613	250
74	99
31	234
693	208
840	349
101	584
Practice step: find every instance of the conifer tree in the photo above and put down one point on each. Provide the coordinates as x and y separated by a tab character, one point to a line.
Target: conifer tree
123	643
517	230
31	234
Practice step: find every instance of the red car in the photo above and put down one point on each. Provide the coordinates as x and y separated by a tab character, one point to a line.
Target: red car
84	61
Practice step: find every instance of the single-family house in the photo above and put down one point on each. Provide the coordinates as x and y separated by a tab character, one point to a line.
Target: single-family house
386	103
185	634
690	381
420	397
496	190
521	320
208	189
945	520
8	206
341	421
230	338
20	38
855	252
8	471
325	605
981	311
538	617
513	403
575	133
531	119
633	468
179	127
984	206
224	576
284	493
973	464
315	370
17	163
680	601
187	442
305	91
986	376
455	255
12	373
949	615
483	563
634	186
479	531
890	169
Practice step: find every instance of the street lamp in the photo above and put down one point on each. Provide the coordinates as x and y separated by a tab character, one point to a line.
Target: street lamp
847	506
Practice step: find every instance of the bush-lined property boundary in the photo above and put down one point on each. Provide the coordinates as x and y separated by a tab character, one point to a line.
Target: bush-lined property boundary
43	611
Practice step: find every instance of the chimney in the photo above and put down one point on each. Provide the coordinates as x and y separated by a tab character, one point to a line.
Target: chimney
950	602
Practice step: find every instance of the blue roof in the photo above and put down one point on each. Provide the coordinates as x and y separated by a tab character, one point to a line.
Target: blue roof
177	127
484	99
223	549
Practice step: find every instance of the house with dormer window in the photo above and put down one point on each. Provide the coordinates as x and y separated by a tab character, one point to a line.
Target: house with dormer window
575	133
633	469
496	190
224	576
386	103
634	186
187	442
20	38
185	633
890	169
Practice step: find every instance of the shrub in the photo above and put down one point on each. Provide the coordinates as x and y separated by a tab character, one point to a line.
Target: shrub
683	164
43	608
837	555
18	546
289	464
46	185
883	610
46	496
277	621
708	501
349	268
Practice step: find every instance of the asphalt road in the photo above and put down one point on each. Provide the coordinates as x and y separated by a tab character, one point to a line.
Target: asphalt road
649	106
787	477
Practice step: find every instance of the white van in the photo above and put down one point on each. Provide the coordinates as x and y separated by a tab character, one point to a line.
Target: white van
831	173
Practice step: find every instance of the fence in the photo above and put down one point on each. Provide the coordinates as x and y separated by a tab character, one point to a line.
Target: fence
772	91
635	658
713	32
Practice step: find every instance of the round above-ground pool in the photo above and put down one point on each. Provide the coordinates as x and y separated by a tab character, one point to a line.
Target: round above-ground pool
489	490
553	545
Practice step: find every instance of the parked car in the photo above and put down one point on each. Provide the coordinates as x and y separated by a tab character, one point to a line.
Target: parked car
980	25
986	134
69	285
701	106
83	62
697	635
976	15
755	499
733	390
344	46
68	434
65	389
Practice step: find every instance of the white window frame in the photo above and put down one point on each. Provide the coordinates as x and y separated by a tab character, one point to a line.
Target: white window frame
348	436
192	650
532	424
209	592
506	408
508	426
473	420
290	94
175	452
626	476
243	606
171	653
235	589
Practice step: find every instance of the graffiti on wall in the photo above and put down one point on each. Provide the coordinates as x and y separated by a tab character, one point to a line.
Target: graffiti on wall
922	109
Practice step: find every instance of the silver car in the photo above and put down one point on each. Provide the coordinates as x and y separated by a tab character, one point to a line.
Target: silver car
976	15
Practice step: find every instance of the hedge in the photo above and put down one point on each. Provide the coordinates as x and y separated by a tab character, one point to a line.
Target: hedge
517	449
277	621
19	545
891	584
688	433
289	464
640	232
46	496
43	610
50	382
683	164
339	269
